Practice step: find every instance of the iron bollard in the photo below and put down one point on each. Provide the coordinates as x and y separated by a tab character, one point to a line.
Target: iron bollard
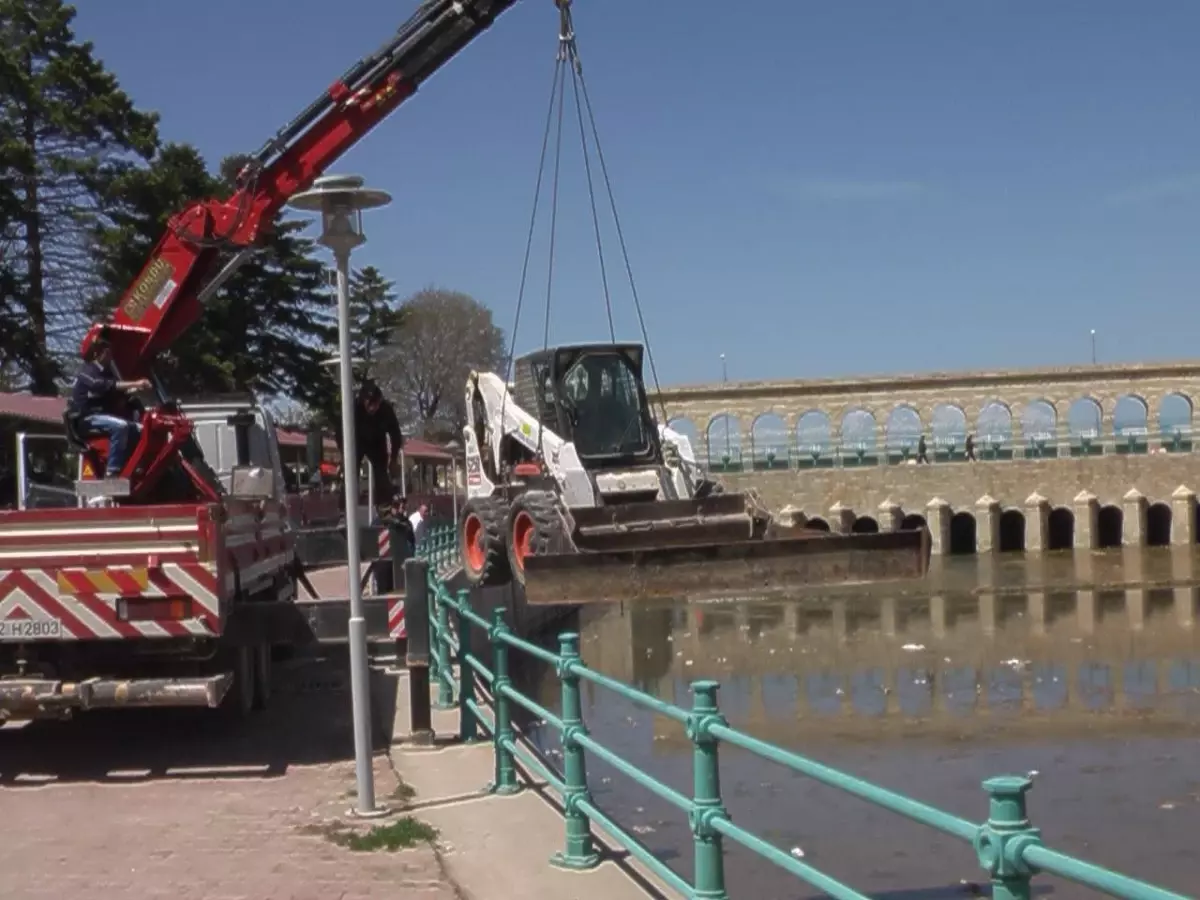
468	727
1001	842
445	698
580	851
506	770
416	657
707	847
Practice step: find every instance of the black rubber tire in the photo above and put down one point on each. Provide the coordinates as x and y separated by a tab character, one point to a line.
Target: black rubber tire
239	699
492	515
549	530
262	676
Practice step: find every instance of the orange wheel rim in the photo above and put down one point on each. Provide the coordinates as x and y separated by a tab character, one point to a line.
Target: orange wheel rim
523	530
473	543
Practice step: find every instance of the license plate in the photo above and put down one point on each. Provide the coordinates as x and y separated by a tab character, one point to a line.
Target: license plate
30	629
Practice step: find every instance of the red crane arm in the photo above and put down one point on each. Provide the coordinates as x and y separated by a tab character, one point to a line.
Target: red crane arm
205	243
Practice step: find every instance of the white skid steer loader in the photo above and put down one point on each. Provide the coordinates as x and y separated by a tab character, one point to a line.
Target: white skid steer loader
575	491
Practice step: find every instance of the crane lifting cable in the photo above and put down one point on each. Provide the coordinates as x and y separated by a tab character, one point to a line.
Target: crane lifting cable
568	63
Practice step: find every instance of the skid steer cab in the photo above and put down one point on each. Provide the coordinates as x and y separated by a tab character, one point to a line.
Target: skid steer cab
577	493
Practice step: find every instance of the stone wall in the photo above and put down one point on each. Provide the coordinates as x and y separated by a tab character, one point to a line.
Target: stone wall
961	485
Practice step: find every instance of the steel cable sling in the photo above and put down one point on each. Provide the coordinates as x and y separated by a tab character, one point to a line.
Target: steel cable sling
568	60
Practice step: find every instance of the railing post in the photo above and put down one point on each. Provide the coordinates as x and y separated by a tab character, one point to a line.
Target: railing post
416	617
435	657
1001	843
468	727
580	852
445	699
505	781
708	850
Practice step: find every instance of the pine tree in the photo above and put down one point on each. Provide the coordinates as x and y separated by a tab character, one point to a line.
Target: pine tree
373	314
63	121
266	330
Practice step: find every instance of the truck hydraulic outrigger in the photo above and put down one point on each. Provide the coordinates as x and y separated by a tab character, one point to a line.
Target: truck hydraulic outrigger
207	242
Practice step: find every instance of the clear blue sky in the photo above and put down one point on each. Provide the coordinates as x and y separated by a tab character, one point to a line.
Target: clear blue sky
810	188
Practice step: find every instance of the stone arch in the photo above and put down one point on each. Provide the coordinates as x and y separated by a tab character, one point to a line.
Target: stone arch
1158	525
770	442
723	438
994	431
1175	412
1060	529
1012	531
687	427
1130	424
1085	426
860	434
1039	428
948	427
1110	524
913	521
962	534
902	431
814	440
864	525
817	524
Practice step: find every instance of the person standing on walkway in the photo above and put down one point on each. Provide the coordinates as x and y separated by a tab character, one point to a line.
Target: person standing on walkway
922	451
419	521
969	446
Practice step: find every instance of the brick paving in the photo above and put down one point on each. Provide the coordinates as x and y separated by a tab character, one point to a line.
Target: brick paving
192	806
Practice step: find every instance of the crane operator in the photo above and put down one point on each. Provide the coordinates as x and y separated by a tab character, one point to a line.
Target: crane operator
95	401
377	438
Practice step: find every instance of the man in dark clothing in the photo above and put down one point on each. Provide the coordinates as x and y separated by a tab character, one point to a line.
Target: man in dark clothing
377	438
95	401
922	452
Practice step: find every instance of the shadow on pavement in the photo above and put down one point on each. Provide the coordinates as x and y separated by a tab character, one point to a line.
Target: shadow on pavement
308	722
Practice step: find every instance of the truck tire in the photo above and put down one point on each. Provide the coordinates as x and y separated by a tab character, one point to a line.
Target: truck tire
262	676
481	543
535	527
239	701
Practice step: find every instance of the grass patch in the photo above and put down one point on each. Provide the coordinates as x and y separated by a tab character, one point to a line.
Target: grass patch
399	835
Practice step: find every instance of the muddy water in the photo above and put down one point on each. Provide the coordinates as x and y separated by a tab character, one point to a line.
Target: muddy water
1081	668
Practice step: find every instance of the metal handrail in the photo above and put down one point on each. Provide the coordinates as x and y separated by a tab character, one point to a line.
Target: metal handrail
1009	848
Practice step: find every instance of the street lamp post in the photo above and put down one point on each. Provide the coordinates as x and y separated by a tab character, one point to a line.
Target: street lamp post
1093	346
725	380
340	199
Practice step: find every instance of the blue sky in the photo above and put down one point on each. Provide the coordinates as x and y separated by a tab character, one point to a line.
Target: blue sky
810	188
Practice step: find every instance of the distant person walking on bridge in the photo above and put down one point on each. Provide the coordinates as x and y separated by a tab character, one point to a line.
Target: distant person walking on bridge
922	451
377	439
969	446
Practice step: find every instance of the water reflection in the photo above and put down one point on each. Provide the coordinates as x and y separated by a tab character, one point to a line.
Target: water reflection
1072	665
948	661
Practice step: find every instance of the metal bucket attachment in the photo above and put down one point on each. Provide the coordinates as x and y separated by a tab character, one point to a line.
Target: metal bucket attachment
726	569
718	519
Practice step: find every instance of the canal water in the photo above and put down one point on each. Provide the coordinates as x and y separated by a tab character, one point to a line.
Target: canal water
1082	669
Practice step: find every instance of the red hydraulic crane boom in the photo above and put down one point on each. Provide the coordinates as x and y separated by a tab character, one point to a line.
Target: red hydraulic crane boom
205	244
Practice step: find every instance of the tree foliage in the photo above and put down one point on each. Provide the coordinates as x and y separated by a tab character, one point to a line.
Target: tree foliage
373	314
443	336
267	329
64	122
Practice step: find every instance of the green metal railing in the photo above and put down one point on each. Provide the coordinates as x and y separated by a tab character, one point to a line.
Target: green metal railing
1008	846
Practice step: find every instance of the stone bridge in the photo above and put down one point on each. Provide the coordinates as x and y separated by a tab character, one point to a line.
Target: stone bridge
1083	457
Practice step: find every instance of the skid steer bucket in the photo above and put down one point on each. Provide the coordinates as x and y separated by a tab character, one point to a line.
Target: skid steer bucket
714	547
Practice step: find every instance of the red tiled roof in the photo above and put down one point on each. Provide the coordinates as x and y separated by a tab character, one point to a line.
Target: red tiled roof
31	408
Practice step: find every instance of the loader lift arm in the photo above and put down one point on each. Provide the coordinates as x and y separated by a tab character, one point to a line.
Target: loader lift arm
206	243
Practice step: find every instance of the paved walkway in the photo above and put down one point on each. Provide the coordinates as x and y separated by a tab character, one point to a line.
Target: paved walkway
180	805
493	846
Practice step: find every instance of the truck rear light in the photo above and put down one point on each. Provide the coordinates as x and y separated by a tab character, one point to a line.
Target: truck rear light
142	609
